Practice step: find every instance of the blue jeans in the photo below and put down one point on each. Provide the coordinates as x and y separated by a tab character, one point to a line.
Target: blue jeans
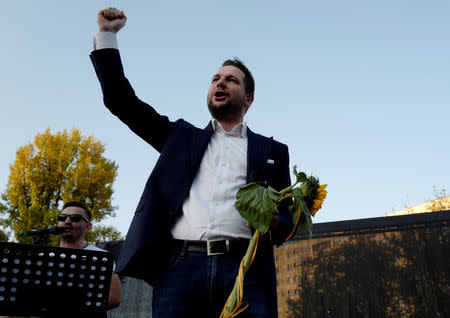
199	285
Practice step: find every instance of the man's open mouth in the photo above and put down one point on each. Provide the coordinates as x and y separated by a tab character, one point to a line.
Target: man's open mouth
219	95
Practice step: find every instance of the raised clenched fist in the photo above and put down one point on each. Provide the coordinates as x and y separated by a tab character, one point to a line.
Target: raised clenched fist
111	20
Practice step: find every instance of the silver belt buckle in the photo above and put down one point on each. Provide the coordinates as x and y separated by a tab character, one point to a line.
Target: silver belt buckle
210	243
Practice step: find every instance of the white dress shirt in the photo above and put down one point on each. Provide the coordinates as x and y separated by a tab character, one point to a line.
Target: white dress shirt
209	212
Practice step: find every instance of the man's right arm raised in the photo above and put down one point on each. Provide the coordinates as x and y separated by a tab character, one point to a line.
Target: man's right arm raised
118	95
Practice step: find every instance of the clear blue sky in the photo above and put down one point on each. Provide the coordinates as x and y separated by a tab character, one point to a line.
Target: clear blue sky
359	90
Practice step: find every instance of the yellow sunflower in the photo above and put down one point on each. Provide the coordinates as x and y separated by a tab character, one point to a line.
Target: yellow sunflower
317	202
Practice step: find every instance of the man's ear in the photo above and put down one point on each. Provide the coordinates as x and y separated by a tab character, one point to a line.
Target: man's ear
88	226
248	101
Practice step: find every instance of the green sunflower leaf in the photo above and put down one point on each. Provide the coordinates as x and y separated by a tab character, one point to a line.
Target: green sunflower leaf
256	204
305	216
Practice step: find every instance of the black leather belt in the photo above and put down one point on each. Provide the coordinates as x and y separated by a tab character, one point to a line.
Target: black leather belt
215	247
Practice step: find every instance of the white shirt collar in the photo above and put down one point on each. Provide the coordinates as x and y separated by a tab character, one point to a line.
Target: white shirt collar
238	130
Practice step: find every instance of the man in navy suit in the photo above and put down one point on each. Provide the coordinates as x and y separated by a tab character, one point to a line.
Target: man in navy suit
187	238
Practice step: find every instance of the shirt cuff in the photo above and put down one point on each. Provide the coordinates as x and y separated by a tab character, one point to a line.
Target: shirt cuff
105	40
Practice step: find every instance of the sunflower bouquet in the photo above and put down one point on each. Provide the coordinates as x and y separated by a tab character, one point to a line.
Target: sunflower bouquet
256	204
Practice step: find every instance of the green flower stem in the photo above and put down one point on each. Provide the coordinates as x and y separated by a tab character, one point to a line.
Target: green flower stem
288	189
238	288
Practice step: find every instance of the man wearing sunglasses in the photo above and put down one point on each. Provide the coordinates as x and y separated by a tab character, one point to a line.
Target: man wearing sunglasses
76	218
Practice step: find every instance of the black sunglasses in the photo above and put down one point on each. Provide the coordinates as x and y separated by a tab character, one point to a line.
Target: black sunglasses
73	217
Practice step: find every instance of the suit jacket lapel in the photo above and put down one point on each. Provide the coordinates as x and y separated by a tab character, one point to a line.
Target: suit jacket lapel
258	151
200	142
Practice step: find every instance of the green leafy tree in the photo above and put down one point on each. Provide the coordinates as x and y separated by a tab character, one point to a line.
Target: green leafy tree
53	169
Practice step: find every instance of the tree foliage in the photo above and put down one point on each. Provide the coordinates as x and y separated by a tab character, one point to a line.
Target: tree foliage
53	169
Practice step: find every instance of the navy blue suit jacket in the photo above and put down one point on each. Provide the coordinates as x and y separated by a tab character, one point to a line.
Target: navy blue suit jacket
181	147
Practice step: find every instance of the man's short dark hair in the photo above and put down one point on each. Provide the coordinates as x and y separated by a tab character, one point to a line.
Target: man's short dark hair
249	82
79	205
